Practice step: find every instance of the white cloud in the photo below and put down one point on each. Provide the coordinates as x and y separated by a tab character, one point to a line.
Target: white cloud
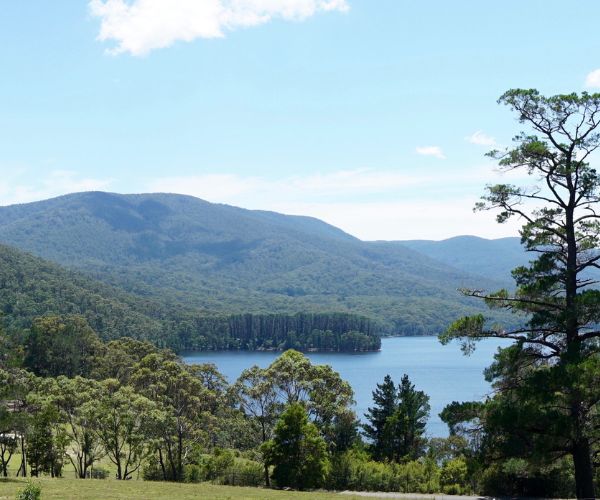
370	204
144	25
481	139
406	219
228	188
55	183
431	151
592	80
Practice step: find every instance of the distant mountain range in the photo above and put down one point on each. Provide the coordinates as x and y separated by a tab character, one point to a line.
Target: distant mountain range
493	259
182	252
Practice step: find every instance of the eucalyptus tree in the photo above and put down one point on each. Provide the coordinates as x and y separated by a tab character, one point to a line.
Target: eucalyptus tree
123	422
73	399
187	405
326	396
556	347
255	392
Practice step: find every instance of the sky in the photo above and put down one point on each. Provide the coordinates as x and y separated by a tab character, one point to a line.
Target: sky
373	115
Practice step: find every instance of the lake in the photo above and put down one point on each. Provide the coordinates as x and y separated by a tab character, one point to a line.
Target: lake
443	372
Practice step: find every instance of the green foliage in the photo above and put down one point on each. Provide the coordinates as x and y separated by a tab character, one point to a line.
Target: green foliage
224	467
33	288
297	451
32	491
454	476
353	470
547	382
303	331
520	477
123	422
58	345
99	473
397	420
385	399
263	394
46	441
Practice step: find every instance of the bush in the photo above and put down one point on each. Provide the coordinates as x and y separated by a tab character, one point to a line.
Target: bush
32	491
99	473
244	473
216	465
152	470
517	477
354	470
454	477
193	474
452	489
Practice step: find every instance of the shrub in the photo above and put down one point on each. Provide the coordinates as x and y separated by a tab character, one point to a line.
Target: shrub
244	473
454	476
99	473
193	474
216	465
32	491
354	470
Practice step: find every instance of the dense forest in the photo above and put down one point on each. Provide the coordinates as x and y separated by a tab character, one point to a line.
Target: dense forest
31	287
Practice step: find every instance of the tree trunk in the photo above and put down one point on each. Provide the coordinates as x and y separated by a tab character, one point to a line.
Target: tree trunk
264	439
23	458
162	464
179	456
584	472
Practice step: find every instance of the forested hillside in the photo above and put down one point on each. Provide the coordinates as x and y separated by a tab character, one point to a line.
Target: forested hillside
31	287
494	259
225	260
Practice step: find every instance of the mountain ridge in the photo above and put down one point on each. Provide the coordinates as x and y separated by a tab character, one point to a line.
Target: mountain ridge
225	259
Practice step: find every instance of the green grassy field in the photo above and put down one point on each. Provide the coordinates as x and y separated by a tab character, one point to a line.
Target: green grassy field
110	489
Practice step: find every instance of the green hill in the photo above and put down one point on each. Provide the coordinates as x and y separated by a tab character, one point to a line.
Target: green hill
179	250
31	287
494	259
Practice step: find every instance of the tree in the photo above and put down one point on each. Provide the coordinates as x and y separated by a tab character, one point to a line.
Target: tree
117	358
297	451
409	421
187	407
72	398
397	420
255	391
385	400
123	421
60	345
326	396
556	348
46	440
8	440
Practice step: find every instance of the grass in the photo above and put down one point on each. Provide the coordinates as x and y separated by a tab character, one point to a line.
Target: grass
110	489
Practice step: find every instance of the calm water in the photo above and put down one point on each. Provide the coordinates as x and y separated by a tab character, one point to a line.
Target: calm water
443	372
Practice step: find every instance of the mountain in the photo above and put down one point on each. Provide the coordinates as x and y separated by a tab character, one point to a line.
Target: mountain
182	251
494	259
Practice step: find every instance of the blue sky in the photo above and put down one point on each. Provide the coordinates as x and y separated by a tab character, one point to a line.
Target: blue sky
373	115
